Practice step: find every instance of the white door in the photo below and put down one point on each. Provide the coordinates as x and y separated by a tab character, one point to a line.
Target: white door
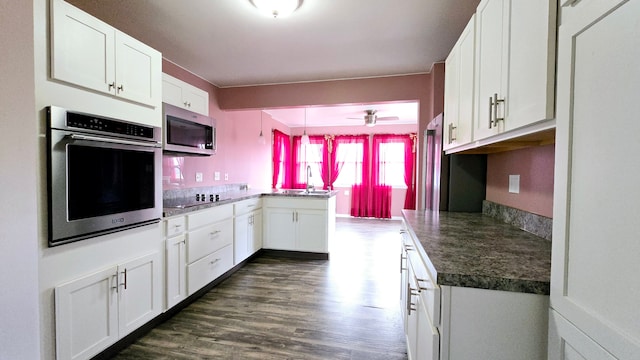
138	70
86	315
280	229
594	284
176	268
312	230
139	292
82	48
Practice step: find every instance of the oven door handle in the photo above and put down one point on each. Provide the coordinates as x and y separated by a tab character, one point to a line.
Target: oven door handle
113	141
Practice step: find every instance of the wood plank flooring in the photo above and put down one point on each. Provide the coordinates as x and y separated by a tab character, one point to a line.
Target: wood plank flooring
279	308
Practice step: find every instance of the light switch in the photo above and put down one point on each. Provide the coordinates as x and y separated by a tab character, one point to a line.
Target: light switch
514	184
198	177
226	176
216	176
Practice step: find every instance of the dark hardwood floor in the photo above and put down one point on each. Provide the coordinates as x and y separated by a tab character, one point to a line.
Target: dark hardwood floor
281	308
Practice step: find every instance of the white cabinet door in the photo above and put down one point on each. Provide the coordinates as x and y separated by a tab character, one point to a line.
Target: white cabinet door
242	237
138	68
82	49
532	38
515	65
280	229
596	203
459	82
176	270
184	95
86	315
311	230
139	292
256	228
89	53
196	100
491	66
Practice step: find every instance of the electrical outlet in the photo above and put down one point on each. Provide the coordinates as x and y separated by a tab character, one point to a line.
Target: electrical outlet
216	176
514	184
198	177
226	176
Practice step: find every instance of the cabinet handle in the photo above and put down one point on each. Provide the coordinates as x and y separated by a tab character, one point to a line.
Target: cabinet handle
566	3
120	88
214	233
410	293
296	216
187	104
402	258
420	288
125	279
214	261
112	85
496	101
452	128
114	280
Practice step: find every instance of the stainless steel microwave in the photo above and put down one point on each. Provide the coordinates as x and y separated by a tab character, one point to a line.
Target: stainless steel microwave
187	133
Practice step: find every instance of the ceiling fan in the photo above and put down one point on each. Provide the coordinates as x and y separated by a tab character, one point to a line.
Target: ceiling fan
370	117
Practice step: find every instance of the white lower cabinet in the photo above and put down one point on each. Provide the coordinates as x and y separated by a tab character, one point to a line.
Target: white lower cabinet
96	310
460	323
247	229
209	241
298	224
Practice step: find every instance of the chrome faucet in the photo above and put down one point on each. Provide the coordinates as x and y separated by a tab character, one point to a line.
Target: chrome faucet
308	175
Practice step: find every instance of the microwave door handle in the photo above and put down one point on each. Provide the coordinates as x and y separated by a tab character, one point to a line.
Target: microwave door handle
113	141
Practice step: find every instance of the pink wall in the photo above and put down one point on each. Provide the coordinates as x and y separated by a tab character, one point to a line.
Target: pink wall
535	167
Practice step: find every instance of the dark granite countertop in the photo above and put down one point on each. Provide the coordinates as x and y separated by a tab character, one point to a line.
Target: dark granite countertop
177	207
474	250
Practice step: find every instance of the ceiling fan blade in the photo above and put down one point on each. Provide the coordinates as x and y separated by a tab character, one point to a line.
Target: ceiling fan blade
388	118
355	118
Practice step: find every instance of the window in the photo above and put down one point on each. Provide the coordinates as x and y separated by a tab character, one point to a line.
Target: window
391	164
310	155
351	156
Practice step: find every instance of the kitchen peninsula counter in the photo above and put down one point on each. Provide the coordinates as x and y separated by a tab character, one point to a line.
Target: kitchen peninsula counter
182	206
477	251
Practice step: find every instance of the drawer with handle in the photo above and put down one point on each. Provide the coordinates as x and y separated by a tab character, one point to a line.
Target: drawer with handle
207	269
205	240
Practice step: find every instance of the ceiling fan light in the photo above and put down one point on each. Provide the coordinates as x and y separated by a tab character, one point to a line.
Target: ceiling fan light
277	8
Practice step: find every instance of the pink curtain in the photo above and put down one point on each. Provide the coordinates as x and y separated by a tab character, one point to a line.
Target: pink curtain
381	192
409	172
360	193
281	159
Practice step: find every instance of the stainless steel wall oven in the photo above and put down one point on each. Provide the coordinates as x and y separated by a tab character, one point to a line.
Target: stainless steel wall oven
104	175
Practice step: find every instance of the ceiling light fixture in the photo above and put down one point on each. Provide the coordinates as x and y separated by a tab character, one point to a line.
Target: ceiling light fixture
305	138
277	8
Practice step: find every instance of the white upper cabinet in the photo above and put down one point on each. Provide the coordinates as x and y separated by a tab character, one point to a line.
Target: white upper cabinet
515	65
89	53
458	97
184	95
595	290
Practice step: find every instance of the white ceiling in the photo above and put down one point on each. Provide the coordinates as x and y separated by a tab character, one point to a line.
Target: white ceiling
229	43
